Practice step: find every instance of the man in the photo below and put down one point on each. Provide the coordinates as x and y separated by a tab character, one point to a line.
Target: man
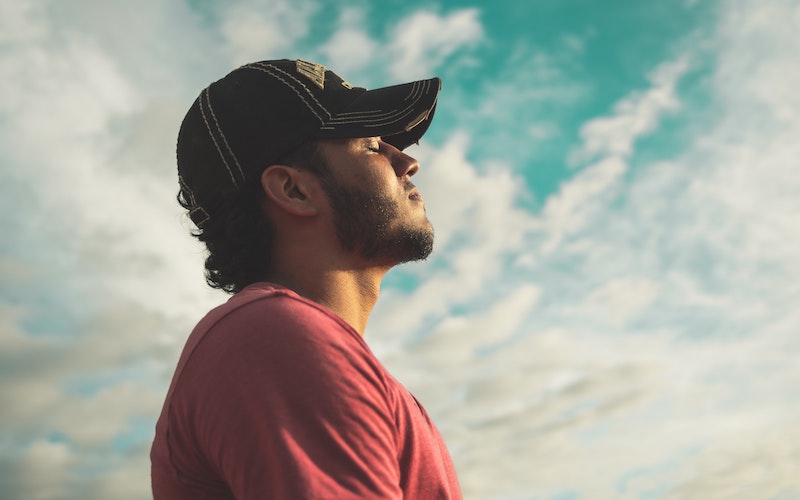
300	189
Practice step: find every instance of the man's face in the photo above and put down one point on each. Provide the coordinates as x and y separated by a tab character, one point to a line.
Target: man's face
378	213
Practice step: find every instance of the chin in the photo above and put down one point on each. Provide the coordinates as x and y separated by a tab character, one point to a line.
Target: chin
416	244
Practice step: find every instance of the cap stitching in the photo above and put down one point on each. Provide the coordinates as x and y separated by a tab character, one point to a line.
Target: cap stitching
388	118
355	118
187	190
202	221
299	82
381	118
214	139
373	124
296	91
417	92
419	89
224	139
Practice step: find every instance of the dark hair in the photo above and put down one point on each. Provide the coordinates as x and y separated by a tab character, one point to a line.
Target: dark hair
239	238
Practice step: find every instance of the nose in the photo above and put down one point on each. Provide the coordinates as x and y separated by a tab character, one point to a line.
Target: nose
403	164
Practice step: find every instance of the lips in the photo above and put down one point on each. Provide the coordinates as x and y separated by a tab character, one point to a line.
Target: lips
413	192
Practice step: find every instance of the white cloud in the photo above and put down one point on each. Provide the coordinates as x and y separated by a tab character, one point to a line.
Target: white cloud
663	336
351	48
478	228
618	300
44	470
647	315
578	201
761	463
265	29
18	22
517	103
92	223
490	384
633	116
423	40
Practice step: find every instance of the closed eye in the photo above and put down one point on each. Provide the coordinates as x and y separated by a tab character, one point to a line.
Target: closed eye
373	145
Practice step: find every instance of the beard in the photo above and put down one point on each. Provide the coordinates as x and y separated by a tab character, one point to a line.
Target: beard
367	223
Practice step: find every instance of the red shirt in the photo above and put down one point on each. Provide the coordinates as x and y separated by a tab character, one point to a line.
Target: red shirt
274	396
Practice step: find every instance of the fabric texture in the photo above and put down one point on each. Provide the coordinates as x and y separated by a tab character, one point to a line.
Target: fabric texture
275	396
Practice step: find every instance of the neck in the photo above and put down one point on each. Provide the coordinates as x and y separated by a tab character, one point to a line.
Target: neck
350	293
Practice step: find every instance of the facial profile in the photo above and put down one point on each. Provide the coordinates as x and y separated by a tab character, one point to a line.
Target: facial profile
378	226
370	224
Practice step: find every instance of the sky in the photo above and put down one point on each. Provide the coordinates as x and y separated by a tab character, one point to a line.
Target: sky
612	309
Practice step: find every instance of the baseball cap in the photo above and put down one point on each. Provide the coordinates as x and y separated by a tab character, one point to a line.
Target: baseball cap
261	111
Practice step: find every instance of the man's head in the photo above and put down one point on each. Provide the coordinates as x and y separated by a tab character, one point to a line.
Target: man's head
292	113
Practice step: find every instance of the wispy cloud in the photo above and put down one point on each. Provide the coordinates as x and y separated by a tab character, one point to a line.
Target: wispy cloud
515	113
423	41
663	298
636	334
265	29
634	116
413	47
88	211
351	48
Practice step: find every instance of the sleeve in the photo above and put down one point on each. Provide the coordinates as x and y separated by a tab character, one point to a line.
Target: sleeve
285	402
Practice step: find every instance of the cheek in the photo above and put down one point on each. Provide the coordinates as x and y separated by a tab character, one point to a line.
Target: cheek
372	173
378	180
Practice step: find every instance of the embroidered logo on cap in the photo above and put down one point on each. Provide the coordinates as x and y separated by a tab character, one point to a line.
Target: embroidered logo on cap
314	72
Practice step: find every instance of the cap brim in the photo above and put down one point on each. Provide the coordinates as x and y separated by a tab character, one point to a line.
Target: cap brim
400	114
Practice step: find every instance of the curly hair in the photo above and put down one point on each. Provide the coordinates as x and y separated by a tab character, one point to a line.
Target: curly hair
239	238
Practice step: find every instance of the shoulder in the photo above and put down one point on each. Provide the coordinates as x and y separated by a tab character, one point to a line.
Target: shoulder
271	307
265	314
277	393
270	347
266	328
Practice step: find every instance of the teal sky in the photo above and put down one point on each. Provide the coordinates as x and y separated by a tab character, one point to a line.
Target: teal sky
611	307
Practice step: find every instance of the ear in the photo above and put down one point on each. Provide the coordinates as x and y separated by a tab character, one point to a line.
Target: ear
290	189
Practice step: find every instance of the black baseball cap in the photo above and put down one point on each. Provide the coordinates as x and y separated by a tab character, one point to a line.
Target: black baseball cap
260	112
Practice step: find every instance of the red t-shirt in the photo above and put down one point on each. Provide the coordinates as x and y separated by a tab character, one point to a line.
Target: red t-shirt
274	396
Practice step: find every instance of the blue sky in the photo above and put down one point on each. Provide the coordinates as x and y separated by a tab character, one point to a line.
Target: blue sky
611	310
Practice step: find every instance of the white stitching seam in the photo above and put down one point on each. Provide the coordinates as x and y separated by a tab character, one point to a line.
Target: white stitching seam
374	124
272	73
187	191
419	89
200	222
380	118
214	139
416	94
193	201
300	82
221	134
387	117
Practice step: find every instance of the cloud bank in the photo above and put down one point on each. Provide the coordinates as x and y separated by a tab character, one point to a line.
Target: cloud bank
635	335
